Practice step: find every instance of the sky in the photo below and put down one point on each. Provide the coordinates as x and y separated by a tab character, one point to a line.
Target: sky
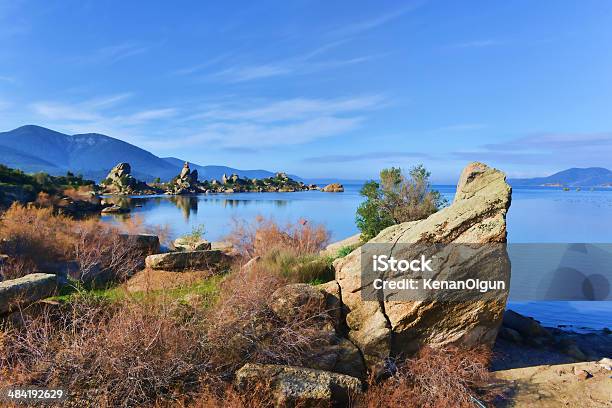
318	88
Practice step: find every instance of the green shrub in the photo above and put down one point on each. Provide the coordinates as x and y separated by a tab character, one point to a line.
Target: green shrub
396	199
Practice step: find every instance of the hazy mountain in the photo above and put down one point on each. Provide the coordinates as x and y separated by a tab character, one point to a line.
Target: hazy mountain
34	148
574	177
215	172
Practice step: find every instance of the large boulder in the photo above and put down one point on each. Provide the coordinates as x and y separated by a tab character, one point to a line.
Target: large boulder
297	386
384	327
26	290
147	244
186	182
120	181
188	260
351	242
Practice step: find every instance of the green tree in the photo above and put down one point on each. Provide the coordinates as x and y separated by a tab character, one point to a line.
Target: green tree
396	199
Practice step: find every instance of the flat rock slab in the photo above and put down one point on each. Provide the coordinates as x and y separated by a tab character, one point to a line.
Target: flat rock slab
298	386
26	290
565	385
187	260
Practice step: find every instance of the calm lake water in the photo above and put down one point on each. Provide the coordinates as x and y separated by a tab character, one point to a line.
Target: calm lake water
537	215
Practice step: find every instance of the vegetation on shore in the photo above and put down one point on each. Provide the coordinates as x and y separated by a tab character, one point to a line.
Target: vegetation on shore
397	198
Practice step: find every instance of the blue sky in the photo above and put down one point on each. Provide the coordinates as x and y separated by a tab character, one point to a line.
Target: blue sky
320	88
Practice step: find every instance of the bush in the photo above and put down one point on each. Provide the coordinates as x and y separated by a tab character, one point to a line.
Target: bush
35	237
396	199
435	378
127	354
265	235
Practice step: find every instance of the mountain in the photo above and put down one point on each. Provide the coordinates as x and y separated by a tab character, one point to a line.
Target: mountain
34	148
574	177
215	172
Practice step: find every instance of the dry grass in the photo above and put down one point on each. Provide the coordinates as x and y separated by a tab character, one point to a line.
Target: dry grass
36	237
264	235
435	378
125	354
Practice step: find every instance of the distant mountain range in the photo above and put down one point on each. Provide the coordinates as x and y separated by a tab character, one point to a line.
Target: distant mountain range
34	148
574	177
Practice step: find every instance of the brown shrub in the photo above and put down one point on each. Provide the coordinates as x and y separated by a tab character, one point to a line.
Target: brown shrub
435	378
264	235
124	354
244	329
36	237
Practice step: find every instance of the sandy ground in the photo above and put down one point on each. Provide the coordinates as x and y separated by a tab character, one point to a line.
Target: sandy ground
579	385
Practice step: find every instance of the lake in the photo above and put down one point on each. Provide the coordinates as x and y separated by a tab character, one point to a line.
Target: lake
537	215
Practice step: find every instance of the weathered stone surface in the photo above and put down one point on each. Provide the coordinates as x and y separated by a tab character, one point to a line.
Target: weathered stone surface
251	264
333	248
293	300
188	260
224	246
297	386
526	326
190	244
120	181
320	306
386	328
333	188
26	290
148	244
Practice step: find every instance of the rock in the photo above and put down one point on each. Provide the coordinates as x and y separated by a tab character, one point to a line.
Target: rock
605	363
115	209
185	183
297	386
583	374
224	246
187	260
120	181
387	328
333	248
3	259
574	351
190	244
333	305
334	188
509	334
298	299
526	326
148	244
26	290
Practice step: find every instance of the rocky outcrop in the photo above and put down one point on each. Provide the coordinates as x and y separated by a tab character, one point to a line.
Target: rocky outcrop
297	386
188	260
382	327
120	181
186	182
333	188
26	290
115	209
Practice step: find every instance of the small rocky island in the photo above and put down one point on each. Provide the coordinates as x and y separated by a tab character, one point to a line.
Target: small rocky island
121	182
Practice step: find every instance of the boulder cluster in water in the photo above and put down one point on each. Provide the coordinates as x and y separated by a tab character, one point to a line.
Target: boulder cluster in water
121	181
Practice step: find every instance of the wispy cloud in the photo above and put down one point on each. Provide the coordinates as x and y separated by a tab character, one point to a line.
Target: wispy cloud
302	64
566	149
477	44
112	54
4	78
203	66
377	156
376	21
461	127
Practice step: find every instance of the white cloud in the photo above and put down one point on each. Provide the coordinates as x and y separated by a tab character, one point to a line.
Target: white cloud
112	53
